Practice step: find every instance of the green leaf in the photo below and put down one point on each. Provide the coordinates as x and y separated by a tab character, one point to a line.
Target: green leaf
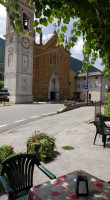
78	33
62	36
66	20
17	31
35	23
2	2
38	14
50	20
58	30
64	28
59	22
16	16
38	30
27	34
47	13
44	21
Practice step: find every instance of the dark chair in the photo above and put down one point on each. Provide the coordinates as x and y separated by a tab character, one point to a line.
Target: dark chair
17	175
104	118
101	130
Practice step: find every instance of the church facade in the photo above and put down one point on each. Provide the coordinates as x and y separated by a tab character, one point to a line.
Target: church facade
52	73
35	71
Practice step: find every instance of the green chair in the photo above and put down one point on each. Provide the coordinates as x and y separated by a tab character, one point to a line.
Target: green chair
104	118
102	131
17	175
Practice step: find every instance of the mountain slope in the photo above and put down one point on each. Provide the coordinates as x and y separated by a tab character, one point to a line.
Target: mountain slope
2	54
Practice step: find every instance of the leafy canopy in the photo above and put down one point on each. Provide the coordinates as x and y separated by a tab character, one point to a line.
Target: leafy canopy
93	22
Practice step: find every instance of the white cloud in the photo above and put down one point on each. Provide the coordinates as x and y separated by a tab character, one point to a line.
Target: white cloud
45	38
2	21
76	51
2	11
98	64
1	36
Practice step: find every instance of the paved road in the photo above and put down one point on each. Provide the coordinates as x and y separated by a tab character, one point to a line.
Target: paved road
14	115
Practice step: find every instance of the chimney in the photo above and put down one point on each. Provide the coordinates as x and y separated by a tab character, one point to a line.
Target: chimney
41	37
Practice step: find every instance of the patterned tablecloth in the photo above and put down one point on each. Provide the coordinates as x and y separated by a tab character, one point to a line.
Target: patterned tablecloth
64	187
107	123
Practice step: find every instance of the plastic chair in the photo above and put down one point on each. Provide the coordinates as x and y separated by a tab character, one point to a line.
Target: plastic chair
101	130
104	118
17	175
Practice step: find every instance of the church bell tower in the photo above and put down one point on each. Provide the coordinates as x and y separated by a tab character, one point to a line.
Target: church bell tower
19	56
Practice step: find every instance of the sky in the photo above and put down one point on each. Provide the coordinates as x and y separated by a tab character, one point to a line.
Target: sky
76	51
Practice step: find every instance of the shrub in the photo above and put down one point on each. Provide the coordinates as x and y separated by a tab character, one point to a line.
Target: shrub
69	103
100	115
107	106
42	145
5	152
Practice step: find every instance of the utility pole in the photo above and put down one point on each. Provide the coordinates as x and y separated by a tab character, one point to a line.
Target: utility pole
101	89
87	80
87	84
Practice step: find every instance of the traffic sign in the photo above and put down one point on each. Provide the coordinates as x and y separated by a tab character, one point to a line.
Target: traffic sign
85	86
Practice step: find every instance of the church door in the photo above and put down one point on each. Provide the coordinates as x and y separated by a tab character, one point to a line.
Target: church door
53	91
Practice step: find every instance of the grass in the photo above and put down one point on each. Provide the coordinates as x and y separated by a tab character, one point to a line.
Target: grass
67	147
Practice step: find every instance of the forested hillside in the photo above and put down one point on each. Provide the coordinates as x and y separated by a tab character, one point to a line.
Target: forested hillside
2	54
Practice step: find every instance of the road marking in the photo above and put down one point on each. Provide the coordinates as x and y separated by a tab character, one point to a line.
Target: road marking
3	125
20	120
34	117
50	113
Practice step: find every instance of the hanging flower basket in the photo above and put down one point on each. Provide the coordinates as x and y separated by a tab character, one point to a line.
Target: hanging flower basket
42	145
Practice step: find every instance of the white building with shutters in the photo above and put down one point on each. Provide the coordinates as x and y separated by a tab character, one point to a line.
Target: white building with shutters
97	86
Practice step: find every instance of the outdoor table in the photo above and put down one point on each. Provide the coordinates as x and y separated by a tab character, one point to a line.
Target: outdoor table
64	188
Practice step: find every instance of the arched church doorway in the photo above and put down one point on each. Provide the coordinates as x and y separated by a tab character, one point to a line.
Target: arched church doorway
53	89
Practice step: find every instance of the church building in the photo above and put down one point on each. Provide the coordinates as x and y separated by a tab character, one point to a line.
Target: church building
52	73
35	71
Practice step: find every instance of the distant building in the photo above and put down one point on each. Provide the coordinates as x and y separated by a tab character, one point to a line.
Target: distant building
98	86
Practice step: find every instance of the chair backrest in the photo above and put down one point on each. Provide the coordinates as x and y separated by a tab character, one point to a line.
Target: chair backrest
104	118
100	127
19	171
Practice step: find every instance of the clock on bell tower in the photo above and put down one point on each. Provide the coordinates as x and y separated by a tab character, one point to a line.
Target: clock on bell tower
19	56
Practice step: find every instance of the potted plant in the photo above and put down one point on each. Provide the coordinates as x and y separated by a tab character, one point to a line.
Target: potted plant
42	145
102	117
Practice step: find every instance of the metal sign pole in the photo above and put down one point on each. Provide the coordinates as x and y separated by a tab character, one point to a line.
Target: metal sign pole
87	85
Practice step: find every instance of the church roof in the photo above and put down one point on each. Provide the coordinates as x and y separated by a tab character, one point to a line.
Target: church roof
76	65
49	38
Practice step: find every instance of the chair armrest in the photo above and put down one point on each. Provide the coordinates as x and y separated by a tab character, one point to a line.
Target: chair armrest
47	172
8	188
5	184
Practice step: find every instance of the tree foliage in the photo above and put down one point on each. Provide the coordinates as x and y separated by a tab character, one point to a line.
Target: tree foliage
107	105
93	22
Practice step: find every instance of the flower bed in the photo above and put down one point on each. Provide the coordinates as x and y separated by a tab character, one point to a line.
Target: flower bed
69	103
42	145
